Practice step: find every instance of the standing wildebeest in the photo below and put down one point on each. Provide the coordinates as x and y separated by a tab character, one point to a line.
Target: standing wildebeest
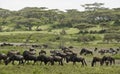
42	52
104	59
45	59
65	49
14	58
96	59
111	51
75	59
108	60
29	56
13	52
3	57
85	51
57	59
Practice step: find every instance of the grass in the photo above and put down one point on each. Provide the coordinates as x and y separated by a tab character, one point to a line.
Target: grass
57	69
45	37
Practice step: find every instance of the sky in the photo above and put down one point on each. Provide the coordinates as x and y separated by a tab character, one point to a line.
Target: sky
55	4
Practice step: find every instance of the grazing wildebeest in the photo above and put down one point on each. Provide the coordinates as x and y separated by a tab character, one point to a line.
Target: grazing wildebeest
3	57
6	44
85	51
111	51
61	54
65	49
29	56
45	59
75	59
13	52
57	59
13	58
108	60
104	59
42	52
32	49
101	51
96	59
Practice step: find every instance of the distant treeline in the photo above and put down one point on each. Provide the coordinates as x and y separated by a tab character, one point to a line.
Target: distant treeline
31	18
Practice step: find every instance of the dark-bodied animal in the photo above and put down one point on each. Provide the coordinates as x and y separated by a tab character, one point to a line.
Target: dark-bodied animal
105	59
108	60
96	59
57	59
13	58
95	49
67	50
29	56
13	52
85	52
75	59
45	59
6	44
42	52
3	57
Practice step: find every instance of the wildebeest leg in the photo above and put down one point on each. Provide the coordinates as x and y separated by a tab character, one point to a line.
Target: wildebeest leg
92	64
22	62
61	62
82	63
13	62
74	62
34	62
19	62
107	62
45	62
41	63
52	62
110	62
0	60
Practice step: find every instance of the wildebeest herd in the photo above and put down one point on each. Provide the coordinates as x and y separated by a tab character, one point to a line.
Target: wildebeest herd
65	55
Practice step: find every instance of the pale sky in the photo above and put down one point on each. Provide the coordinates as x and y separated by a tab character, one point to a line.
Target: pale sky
54	4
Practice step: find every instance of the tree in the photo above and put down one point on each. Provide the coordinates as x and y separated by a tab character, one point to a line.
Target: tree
93	7
28	22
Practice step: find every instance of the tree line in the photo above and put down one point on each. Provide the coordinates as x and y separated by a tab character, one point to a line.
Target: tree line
29	17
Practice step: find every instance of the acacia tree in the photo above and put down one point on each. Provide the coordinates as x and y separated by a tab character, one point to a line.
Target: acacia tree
28	22
93	7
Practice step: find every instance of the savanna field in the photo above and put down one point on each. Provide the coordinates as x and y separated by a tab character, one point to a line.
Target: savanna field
49	30
53	44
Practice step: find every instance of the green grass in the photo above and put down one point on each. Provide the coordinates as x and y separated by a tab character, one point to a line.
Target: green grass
57	69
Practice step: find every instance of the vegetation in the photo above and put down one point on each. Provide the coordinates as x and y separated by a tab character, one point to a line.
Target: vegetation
97	26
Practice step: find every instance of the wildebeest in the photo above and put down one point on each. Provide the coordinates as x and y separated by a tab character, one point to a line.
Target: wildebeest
75	59
65	49
57	59
85	51
29	56
105	59
111	51
42	52
45	59
96	59
108	60
13	58
3	57
13	52
6	44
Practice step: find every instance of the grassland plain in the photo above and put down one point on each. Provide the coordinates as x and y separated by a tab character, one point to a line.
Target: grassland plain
57	69
48	38
67	68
